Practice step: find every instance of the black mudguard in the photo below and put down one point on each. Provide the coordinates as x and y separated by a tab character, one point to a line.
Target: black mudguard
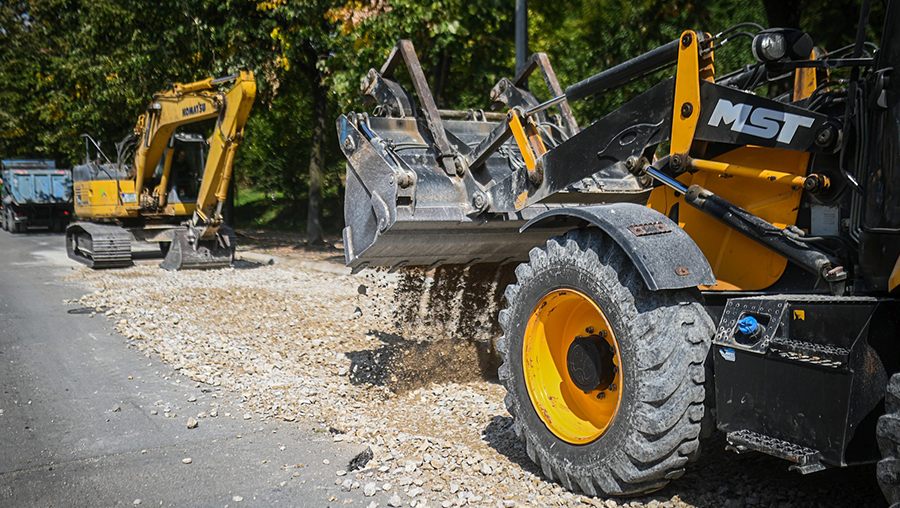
664	254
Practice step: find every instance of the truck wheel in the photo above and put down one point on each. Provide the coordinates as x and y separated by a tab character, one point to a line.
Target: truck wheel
15	227
3	220
888	435
604	377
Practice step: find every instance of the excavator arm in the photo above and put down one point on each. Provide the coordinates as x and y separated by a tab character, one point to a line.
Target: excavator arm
222	146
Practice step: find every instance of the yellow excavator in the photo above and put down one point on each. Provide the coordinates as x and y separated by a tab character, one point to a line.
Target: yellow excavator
171	191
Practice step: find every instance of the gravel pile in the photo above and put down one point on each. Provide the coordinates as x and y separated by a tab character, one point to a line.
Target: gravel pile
303	339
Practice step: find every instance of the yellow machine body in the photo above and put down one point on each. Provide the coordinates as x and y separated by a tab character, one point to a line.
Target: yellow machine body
131	196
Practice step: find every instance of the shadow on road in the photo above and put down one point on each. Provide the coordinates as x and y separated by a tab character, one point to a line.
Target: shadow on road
402	365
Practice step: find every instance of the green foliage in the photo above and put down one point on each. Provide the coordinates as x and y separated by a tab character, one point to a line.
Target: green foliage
591	36
258	209
464	47
69	67
73	67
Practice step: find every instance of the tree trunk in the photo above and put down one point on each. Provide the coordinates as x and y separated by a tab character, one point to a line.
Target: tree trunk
314	233
440	78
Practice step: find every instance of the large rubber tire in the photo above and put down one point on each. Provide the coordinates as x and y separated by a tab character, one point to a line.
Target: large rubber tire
3	219
888	435
662	341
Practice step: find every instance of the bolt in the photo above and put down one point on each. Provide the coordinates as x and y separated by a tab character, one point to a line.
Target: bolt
589	329
404	179
686	40
687	109
811	183
613	387
479	200
348	143
631	163
601	396
460	169
825	136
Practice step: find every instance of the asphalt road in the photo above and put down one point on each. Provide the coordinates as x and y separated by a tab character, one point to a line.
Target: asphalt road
76	413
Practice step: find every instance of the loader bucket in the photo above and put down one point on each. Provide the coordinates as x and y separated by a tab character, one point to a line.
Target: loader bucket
217	252
431	222
429	187
435	219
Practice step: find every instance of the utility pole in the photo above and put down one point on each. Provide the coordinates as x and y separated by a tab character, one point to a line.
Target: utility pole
521	34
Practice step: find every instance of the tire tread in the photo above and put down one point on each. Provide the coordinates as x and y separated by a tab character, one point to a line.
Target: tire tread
670	408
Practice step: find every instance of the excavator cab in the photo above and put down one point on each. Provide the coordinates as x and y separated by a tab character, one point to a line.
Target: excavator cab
188	152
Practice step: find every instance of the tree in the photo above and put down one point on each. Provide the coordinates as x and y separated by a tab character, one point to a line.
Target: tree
303	38
76	66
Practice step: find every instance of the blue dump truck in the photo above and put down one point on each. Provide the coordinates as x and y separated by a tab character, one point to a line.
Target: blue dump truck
34	193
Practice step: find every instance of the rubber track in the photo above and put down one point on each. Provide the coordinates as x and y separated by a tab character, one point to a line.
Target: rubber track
111	245
670	404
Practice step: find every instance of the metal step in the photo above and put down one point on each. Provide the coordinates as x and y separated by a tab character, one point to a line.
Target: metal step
807	460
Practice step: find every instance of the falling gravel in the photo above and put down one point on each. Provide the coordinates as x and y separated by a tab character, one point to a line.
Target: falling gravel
403	363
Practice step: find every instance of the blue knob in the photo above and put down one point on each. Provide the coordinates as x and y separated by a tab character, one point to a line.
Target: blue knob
747	325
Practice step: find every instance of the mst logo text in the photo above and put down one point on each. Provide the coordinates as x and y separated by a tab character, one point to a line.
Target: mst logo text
759	122
193	110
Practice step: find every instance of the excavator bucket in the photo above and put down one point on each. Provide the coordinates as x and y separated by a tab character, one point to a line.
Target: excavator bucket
217	252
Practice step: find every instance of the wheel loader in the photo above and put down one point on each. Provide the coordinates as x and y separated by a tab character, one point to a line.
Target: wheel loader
720	252
166	186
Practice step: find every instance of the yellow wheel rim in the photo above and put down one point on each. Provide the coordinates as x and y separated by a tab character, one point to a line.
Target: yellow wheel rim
568	412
